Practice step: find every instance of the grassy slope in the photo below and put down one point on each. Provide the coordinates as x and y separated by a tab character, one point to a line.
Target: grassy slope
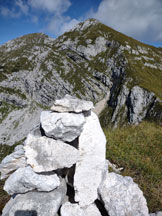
146	77
138	149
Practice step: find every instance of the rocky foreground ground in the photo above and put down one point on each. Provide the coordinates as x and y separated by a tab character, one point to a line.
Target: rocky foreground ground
61	169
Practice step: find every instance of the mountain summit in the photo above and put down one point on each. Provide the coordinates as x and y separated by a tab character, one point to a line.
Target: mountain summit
90	61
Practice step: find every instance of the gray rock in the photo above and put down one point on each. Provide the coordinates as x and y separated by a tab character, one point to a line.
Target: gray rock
25	179
69	209
45	154
71	104
63	126
92	210
91	165
118	115
13	161
36	203
159	213
139	101
121	196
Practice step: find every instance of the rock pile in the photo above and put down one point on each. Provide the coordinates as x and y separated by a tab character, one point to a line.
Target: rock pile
61	169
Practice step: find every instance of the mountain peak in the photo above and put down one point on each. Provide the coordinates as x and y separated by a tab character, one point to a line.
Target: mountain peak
84	25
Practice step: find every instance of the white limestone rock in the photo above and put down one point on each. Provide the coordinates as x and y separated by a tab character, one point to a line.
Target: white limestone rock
139	101
92	210
121	196
36	203
13	161
69	209
91	165
71	104
25	179
45	154
63	126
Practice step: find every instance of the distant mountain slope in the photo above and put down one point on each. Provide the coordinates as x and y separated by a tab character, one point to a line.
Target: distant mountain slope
89	61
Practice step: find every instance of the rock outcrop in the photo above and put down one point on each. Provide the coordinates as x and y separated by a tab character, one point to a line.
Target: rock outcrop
42	185
139	102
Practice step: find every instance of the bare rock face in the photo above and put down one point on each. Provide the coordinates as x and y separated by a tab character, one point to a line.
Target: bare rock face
35	203
91	165
71	104
139	100
45	154
121	196
13	161
63	126
25	179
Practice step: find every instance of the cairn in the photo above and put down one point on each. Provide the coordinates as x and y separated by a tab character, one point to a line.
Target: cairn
61	169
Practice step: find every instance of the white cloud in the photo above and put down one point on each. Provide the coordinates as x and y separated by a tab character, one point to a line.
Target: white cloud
9	13
16	11
59	24
140	19
23	7
56	6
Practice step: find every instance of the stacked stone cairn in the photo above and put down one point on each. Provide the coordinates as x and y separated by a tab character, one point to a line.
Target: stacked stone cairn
61	169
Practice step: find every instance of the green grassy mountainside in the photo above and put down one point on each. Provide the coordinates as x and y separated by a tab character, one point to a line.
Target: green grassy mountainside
90	61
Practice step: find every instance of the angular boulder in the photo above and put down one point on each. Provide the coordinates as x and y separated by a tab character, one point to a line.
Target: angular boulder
25	179
69	209
91	165
36	203
13	161
45	154
121	196
71	104
62	126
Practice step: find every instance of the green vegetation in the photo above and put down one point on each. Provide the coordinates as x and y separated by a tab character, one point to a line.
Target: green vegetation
138	149
5	109
146	77
12	91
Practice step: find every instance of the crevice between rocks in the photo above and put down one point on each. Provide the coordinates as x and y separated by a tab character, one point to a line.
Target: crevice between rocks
101	208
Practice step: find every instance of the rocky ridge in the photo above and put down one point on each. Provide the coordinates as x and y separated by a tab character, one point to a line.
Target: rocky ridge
47	185
90	61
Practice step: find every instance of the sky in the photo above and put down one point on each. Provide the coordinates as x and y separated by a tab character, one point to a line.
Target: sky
140	19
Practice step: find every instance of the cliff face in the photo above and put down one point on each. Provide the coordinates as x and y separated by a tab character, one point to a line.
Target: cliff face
90	61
